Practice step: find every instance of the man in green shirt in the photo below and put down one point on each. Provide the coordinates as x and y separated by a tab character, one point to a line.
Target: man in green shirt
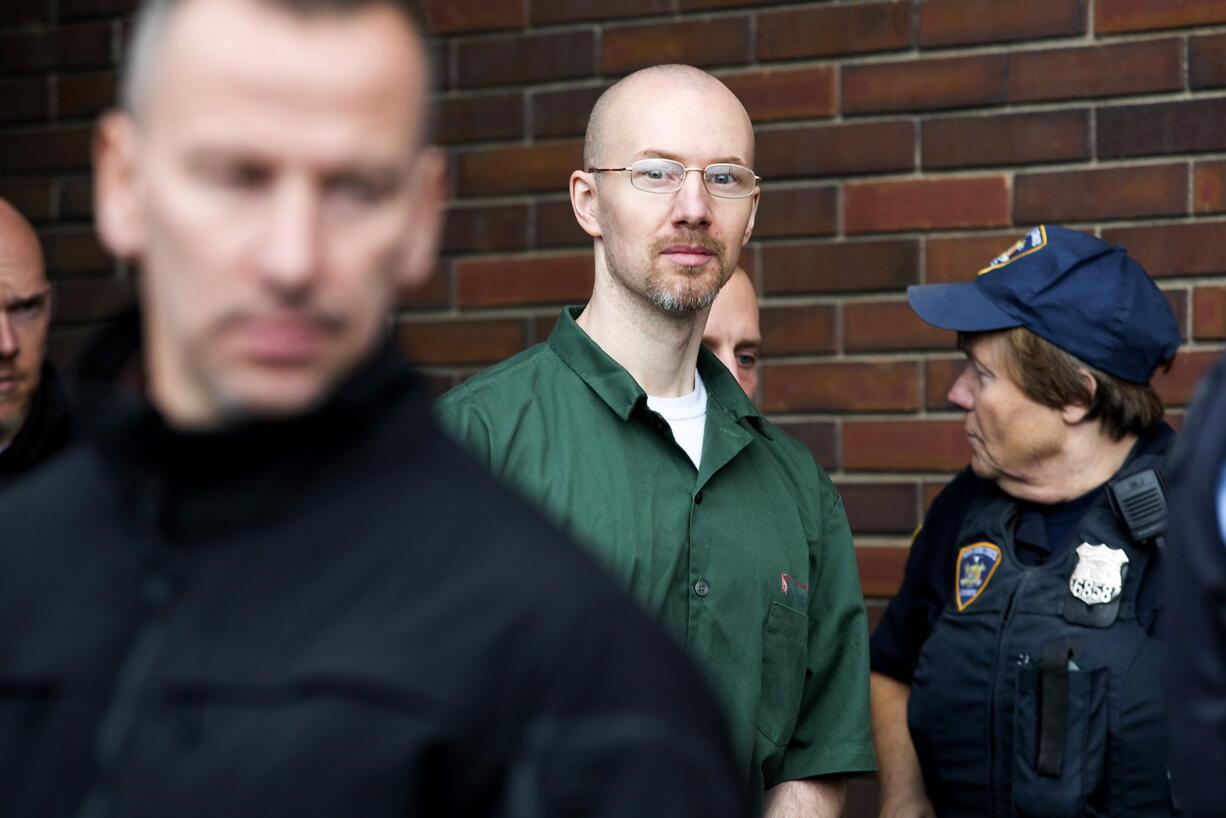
644	446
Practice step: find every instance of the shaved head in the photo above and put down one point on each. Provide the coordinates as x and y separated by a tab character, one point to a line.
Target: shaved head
25	314
664	77
19	247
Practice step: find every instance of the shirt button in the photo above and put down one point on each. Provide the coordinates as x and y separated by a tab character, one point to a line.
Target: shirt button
698	499
702	588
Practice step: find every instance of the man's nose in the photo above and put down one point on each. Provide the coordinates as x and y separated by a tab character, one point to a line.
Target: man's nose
10	344
692	203
961	394
292	245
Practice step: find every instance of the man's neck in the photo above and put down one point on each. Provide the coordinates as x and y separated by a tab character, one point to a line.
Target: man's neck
1088	460
658	349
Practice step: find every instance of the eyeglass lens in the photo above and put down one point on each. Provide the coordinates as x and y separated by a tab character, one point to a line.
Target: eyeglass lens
667	176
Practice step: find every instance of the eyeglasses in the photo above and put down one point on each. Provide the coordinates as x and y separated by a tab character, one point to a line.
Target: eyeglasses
666	176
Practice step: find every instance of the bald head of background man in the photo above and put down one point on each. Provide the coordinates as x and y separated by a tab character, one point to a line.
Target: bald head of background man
25	315
732	331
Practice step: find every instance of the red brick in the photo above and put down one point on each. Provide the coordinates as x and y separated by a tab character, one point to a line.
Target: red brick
433	293
694	5
484	228
92	299
82	46
889	325
963	22
86	94
1209	312
77	9
825	150
939	376
449	341
904	445
542	326
1175	249
924	85
24	99
930	492
526	58
1096	71
881	570
1177	386
1178	298
478	118
1209	187
880	508
76	198
821	438
75	252
722	41
805	329
564	112
785	93
845	266
1187	126
924	204
1113	193
66	149
1115	16
959	259
1207	61
798	211
820	32
556	225
841	386
538	167
502	282
453	16
31	198
563	11
1013	139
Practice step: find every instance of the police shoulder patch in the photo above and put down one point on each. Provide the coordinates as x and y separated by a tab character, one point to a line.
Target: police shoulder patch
1036	239
976	564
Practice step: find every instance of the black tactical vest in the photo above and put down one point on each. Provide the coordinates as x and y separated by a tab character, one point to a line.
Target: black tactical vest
1021	705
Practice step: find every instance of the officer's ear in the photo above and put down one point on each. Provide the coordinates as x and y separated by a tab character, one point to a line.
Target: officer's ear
585	202
1074	413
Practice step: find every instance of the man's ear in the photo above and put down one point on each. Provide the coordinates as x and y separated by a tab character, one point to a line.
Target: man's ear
753	215
117	210
585	202
1075	413
425	219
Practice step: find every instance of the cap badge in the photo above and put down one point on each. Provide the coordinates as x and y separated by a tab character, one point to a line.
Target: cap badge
976	564
1099	575
1036	239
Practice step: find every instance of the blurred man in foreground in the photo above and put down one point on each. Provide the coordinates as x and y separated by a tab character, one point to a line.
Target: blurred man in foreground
732	332
34	416
275	588
634	436
1018	671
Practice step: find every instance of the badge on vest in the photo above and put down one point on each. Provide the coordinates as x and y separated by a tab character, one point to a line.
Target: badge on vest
976	564
1095	585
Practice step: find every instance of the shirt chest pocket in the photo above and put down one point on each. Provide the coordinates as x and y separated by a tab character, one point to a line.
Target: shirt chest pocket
784	648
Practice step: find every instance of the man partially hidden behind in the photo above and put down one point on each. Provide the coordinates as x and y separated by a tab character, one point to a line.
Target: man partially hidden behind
34	418
732	332
276	589
1018	671
640	442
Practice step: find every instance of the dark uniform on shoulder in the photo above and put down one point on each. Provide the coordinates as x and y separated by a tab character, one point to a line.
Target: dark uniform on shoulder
1028	631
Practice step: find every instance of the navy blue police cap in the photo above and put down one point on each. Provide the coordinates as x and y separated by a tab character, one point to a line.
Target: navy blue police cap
1084	295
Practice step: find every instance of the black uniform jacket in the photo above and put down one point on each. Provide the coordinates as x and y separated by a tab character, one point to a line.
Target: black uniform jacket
334	615
44	432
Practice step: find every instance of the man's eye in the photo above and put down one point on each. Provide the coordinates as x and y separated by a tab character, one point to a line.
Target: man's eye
745	359
26	309
721	179
359	189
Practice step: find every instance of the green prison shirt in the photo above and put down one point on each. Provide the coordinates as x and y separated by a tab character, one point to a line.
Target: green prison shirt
748	560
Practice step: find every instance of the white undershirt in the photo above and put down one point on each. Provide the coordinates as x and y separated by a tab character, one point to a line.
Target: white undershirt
687	415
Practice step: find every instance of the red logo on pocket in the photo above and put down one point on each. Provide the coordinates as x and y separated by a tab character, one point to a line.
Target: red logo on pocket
786	582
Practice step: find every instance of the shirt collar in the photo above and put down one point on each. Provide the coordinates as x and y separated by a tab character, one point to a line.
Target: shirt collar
615	386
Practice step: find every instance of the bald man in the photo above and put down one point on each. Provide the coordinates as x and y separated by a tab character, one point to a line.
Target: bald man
732	332
634	437
33	412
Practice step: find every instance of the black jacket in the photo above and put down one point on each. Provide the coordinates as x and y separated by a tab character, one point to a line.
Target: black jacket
44	432
334	615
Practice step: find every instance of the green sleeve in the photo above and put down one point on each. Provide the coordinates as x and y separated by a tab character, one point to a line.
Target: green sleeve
833	734
463	420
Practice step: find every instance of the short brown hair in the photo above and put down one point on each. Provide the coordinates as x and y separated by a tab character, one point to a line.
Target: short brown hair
1052	377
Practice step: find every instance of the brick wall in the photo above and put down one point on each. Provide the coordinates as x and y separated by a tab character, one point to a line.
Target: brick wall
900	142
